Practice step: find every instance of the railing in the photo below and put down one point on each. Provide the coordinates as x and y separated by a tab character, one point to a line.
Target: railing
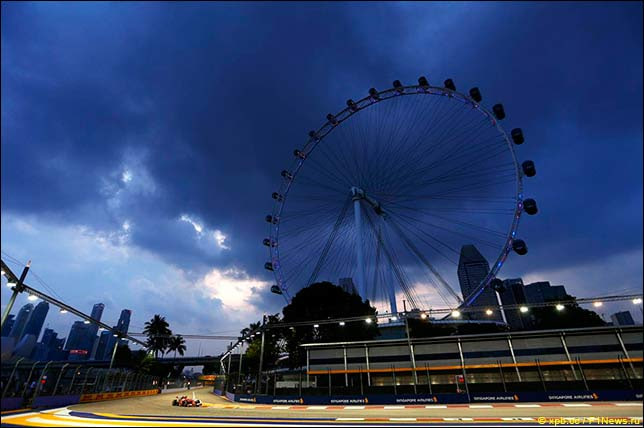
39	380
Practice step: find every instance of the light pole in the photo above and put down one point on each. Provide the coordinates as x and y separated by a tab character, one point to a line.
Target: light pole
17	288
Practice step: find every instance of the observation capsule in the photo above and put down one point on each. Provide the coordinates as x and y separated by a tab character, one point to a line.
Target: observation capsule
299	154
373	93
517	136
498	110
268	266
276	289
267	242
287	175
271	219
519	247
530	206
449	84
497	285
476	94
528	168
352	105
398	86
332	119
313	135
277	197
422	81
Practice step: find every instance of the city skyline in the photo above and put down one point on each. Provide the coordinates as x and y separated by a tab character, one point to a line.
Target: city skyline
147	190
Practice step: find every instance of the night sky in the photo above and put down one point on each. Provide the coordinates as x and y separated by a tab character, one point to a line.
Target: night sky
141	142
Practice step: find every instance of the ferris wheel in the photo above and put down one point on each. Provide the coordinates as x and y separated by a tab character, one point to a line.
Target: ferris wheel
382	197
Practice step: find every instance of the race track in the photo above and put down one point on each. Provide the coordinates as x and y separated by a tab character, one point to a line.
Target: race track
217	411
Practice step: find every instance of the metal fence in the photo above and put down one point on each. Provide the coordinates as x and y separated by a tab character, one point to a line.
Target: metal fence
41	379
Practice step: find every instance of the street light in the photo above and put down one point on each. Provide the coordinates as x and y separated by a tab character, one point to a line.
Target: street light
63	311
11	284
637	301
316	325
86	322
597	304
560	307
523	309
32	297
488	312
456	314
368	320
341	323
394	318
423	315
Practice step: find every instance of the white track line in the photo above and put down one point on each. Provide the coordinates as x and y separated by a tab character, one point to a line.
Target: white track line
527	405
481	406
280	407
575	405
436	406
402	419
316	407
394	407
353	407
629	404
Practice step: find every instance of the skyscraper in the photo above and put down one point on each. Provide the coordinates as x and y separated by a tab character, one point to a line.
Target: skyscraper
513	295
124	321
78	343
97	312
122	327
6	328
542	291
36	320
472	270
21	321
622	318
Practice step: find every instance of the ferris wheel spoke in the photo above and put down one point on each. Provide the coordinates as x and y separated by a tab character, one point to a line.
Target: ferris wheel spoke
451	231
399	158
329	242
452	220
412	247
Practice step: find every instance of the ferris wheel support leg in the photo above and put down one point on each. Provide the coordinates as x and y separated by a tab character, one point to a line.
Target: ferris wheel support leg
500	302
361	286
392	291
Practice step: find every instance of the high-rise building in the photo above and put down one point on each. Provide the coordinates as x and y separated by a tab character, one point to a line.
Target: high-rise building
8	323
78	343
542	291
622	318
21	321
513	295
97	313
103	342
472	270
122	327
37	319
124	321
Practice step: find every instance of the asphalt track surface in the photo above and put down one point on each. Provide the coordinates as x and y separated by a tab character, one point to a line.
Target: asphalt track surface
157	411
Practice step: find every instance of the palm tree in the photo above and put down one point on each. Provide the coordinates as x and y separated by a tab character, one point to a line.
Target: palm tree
177	344
252	327
159	333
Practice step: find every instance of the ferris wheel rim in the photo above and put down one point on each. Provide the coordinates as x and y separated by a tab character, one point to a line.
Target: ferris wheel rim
364	103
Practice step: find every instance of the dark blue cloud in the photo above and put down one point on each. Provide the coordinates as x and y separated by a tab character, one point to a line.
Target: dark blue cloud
212	98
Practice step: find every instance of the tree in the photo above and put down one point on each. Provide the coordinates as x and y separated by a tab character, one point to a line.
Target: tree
572	316
159	333
177	344
272	345
321	301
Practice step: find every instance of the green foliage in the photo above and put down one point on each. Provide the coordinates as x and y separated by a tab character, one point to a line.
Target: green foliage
321	301
159	334
177	344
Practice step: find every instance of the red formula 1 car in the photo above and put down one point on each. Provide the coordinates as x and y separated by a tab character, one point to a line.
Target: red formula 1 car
184	401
